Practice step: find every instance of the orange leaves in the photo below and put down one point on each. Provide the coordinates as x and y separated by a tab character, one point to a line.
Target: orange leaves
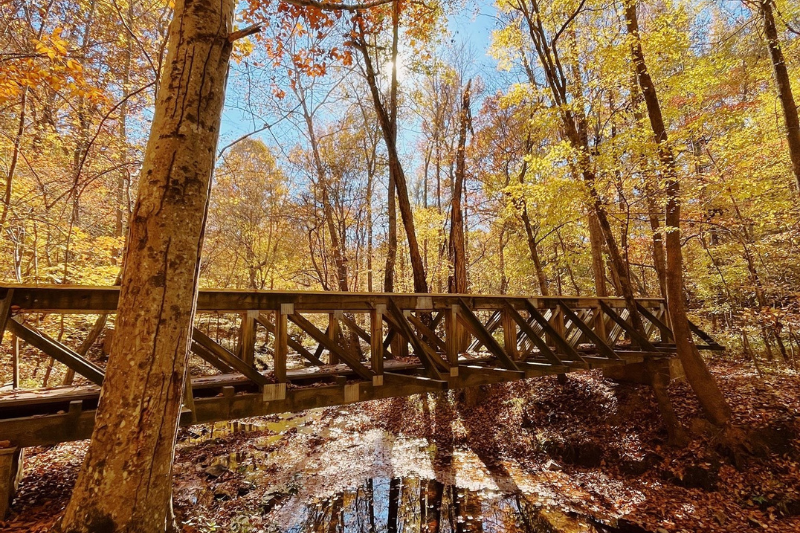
49	65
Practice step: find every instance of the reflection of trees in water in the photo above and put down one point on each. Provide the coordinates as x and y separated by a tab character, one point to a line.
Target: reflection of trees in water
412	505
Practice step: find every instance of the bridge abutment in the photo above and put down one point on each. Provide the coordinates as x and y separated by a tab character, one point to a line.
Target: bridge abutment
10	475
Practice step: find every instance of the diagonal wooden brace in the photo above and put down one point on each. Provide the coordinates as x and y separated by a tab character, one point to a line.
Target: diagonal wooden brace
472	323
559	341
57	351
604	349
331	345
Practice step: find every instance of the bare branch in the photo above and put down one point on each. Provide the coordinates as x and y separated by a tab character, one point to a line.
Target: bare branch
241	34
336	6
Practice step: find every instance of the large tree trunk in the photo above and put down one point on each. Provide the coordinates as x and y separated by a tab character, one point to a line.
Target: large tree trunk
458	250
126	480
697	373
784	86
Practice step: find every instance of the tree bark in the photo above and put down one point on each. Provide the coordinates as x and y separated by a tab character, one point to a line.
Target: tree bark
784	86
598	266
125	484
708	393
458	251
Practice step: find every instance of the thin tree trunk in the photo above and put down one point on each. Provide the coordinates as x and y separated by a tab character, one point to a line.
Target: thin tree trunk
126	480
458	252
784	86
389	130
12	165
598	265
705	386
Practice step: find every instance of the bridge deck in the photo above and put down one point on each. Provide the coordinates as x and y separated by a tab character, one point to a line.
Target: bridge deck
325	348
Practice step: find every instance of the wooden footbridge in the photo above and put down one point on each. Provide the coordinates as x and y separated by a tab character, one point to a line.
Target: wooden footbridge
326	348
257	353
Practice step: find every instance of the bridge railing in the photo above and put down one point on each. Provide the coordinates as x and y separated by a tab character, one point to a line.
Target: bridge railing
295	350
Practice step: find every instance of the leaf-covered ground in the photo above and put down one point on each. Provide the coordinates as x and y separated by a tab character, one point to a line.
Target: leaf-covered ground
590	448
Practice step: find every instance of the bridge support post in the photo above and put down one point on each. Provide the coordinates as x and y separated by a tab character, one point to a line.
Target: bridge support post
510	335
333	334
10	476
376	343
452	338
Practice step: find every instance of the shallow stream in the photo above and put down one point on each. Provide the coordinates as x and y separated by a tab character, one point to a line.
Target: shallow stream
373	482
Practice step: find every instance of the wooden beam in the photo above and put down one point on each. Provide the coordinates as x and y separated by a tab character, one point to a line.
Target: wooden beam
281	351
559	341
350	323
510	335
332	346
57	351
637	337
228	358
296	346
333	334
427	333
376	343
429	359
210	358
452	336
713	345
402	379
247	337
526	328
603	348
476	327
491	325
666	333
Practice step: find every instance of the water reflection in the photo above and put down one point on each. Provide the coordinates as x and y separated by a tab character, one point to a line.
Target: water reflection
406	505
415	486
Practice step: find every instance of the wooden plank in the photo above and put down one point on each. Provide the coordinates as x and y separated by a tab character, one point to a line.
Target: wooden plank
350	323
599	324
603	348
188	396
97	300
247	337
471	375
434	384
705	336
57	351
526	328
296	346
491	325
559	341
477	329
429	359
333	335
281	345
510	335
666	333
332	347
376	343
228	358
452	336
427	333
210	358
637	337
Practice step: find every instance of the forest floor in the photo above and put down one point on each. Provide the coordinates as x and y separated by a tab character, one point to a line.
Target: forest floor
535	455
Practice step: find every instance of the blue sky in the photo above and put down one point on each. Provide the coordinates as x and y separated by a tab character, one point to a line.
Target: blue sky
471	26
